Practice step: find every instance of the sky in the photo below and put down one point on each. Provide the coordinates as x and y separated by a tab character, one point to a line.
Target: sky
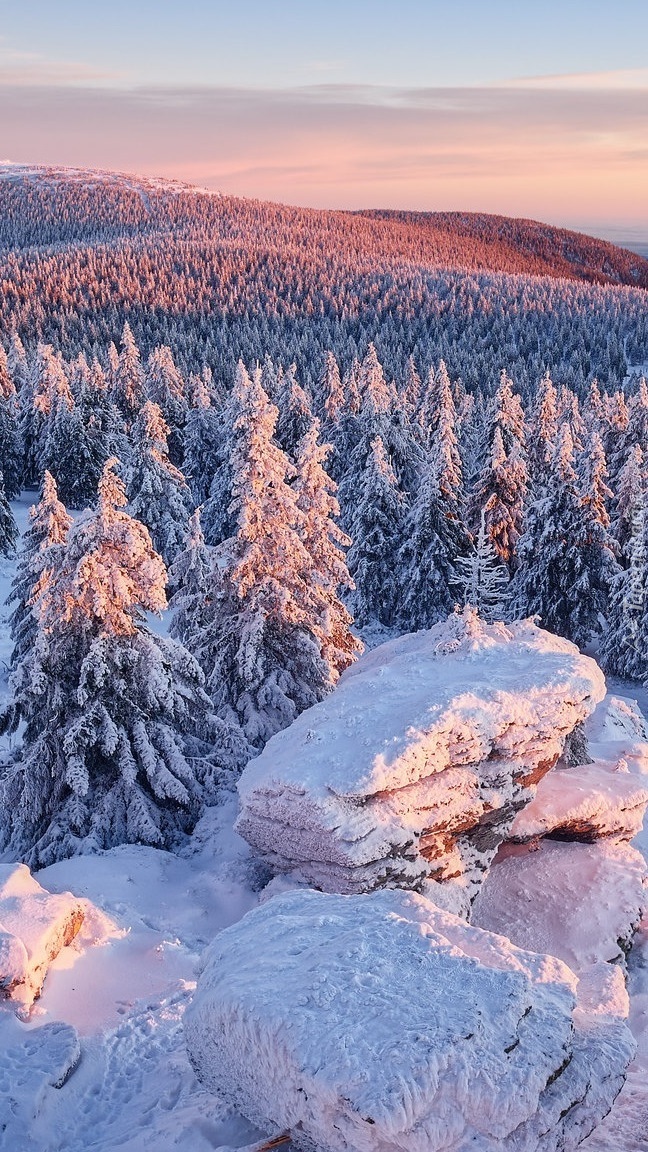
511	106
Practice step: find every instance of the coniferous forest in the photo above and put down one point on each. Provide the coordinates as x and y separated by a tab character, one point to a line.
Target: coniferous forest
318	529
282	424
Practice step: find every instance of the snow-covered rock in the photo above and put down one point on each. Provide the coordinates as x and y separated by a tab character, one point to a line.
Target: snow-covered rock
379	1022
579	902
416	765
585	803
33	1062
34	926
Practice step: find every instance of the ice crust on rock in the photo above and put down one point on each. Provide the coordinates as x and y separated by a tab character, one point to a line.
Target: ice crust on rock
415	766
379	1023
34	926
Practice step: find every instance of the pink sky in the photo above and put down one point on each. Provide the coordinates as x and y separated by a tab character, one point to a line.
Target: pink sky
569	150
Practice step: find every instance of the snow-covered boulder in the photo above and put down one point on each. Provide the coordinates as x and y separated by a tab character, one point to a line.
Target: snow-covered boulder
579	902
33	1063
416	765
34	926
379	1023
585	803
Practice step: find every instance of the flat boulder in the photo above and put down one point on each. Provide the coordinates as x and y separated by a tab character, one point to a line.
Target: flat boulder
415	767
34	926
380	1023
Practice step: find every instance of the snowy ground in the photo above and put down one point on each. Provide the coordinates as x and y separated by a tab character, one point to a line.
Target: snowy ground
124	984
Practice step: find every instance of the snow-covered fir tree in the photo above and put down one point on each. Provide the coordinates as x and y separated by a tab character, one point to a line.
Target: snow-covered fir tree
8	527
624	643
191	576
564	556
500	495
11	448
376	529
433	536
482	577
40	554
160	497
166	388
128	384
203	437
631	485
118	727
218	518
264	648
295	415
324	540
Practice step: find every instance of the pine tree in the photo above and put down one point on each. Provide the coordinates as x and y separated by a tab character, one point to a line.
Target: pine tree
324	541
631	485
376	532
295	415
624	643
433	537
40	555
544	430
564	556
129	392
482	577
166	388
191	577
331	391
11	449
40	399
500	494
265	654
8	526
204	434
117	723
160	497
218	517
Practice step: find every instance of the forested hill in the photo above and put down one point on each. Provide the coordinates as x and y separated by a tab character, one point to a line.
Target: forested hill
217	278
506	244
41	206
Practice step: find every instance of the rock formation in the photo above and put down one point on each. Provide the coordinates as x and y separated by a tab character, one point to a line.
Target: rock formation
379	1022
416	765
34	926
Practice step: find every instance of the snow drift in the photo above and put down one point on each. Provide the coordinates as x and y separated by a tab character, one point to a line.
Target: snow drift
381	1022
416	765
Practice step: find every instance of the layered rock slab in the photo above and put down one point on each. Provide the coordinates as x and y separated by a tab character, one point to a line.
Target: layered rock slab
415	766
34	926
380	1023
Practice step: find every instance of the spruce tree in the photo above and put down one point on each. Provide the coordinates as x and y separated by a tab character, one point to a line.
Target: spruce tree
324	542
377	526
159	494
203	439
8	526
564	556
482	578
624	643
117	724
11	448
39	556
433	536
263	643
129	390
500	494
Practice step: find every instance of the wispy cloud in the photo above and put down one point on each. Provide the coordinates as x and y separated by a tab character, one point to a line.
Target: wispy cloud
29	69
564	154
622	79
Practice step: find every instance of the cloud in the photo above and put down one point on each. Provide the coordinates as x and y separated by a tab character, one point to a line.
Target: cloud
569	155
621	79
26	69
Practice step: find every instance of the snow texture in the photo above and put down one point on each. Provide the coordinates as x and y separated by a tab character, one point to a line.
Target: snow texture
414	768
34	927
584	803
379	1022
579	902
